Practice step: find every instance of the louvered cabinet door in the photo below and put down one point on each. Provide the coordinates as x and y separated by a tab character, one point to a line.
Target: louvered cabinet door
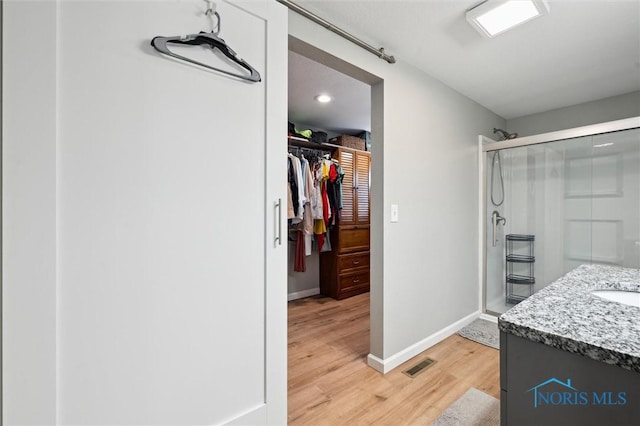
348	214
363	181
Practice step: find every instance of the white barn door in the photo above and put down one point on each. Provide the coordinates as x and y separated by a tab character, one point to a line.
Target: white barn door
163	287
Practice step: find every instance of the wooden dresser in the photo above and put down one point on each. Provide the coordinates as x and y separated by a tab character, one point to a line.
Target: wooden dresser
344	271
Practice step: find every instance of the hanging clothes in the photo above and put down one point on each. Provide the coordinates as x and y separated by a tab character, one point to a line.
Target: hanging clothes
334	193
299	261
290	213
313	203
293	185
316	196
297	177
307	220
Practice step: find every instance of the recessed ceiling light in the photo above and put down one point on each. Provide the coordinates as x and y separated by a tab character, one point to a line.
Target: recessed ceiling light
494	17
323	98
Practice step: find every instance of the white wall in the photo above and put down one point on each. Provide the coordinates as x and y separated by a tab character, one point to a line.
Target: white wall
424	268
600	111
303	284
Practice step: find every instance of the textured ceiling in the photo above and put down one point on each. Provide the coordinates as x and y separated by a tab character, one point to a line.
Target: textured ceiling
582	51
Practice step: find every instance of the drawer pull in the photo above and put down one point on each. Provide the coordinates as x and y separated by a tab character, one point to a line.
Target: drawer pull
356	280
356	262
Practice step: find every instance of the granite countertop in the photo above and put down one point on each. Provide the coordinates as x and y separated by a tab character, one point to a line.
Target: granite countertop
565	315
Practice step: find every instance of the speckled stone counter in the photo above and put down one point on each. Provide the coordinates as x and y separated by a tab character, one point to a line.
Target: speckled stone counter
565	315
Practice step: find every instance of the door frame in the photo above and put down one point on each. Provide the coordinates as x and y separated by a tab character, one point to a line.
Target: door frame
376	199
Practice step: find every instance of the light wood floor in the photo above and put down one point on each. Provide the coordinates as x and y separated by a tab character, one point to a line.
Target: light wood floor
330	383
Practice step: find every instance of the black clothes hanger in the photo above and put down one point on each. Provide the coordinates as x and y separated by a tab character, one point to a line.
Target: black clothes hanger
214	42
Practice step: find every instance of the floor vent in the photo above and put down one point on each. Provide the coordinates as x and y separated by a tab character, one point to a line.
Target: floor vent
419	367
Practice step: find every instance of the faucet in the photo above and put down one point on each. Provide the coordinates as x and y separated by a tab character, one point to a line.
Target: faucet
496	219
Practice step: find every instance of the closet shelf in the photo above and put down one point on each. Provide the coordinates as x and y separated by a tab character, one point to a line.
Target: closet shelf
304	143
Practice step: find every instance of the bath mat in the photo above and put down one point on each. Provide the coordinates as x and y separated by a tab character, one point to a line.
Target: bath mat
482	331
474	408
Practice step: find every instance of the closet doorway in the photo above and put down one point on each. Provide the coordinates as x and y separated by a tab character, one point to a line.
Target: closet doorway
329	297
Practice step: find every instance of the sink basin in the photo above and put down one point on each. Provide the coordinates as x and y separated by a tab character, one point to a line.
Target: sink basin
627	297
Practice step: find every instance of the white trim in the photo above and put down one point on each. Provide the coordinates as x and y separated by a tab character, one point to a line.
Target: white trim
376	363
275	16
488	317
593	129
302	294
29	213
253	416
481	221
386	365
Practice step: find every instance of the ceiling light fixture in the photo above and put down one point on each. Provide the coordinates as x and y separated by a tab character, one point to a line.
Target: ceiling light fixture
323	99
494	17
602	145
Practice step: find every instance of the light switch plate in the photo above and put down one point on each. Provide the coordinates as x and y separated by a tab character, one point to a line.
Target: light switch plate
394	212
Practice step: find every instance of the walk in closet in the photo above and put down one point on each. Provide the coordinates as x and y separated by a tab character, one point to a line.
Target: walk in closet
330	259
328	213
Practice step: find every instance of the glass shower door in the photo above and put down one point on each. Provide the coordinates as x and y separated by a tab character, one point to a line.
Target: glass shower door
540	217
577	199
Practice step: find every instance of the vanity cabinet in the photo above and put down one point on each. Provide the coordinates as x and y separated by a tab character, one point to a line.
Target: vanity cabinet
344	271
569	357
541	385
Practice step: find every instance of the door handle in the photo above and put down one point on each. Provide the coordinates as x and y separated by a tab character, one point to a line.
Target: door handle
278	230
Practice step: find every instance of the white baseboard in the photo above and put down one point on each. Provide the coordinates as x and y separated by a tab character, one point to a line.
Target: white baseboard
388	364
253	416
302	294
488	317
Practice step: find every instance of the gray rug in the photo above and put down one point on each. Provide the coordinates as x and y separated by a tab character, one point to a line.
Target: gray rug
474	408
482	331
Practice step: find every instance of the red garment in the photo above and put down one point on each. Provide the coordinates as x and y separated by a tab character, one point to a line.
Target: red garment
320	238
325	213
333	173
299	264
325	203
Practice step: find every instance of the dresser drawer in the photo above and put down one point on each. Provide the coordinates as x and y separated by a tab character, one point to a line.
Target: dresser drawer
351	261
353	239
353	281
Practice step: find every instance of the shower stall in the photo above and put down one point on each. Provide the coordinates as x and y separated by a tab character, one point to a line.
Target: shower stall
554	201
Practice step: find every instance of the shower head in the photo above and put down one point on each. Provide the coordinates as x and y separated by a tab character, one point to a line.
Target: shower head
504	134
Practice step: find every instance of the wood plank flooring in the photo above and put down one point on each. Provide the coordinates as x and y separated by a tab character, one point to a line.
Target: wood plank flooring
330	383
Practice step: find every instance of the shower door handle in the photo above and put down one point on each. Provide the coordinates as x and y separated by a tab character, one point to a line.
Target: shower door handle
495	220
